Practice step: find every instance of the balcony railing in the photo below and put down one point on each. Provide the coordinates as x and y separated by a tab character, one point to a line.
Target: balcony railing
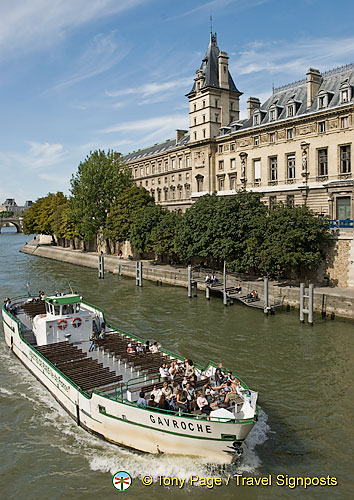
341	224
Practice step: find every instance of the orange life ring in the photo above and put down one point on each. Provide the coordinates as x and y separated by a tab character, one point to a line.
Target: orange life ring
76	322
62	324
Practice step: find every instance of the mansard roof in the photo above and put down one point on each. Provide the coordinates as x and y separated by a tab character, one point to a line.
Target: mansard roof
297	92
210	68
161	147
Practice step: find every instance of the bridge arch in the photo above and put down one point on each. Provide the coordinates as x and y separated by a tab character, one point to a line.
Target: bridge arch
12	221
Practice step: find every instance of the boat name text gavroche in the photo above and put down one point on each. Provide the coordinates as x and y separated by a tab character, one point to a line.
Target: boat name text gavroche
165	422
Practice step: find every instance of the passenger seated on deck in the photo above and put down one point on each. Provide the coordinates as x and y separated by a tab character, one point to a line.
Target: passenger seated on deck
219	376
203	403
164	373
147	346
184	382
189	367
141	403
151	402
7	304
163	404
139	347
208	392
168	394
130	349
191	399
181	400
156	393
173	369
193	380
154	348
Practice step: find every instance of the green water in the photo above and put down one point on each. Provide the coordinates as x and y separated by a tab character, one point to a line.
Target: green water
304	377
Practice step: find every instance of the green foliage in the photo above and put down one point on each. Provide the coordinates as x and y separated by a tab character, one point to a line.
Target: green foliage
124	211
5	214
63	224
141	229
99	181
293	240
39	217
163	235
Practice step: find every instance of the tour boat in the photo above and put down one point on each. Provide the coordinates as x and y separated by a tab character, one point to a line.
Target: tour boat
100	388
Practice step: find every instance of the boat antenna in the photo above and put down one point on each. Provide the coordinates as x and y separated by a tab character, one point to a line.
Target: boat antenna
28	289
72	291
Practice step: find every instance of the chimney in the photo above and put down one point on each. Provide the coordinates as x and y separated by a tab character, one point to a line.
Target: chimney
223	66
252	104
314	80
180	134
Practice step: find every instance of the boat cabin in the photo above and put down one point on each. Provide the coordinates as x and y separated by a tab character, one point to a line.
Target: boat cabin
64	320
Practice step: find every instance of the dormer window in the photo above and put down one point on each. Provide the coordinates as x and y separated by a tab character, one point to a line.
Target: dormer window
345	92
274	112
290	110
256	118
323	99
272	115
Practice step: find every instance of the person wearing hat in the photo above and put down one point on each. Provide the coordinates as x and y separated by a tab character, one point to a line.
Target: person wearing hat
130	349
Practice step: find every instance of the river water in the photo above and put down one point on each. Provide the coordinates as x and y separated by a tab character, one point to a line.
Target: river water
304	377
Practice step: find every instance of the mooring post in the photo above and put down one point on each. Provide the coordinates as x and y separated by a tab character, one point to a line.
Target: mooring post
224	290
195	288
310	306
207	292
101	266
137	270
141	274
302	293
119	269
189	281
266	296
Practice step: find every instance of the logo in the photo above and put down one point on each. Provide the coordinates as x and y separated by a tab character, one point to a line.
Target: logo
122	480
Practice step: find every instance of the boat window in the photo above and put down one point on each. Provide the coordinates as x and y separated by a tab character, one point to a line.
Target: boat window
68	309
56	310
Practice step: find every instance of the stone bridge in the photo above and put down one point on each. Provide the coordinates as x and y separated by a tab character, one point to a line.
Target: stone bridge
12	221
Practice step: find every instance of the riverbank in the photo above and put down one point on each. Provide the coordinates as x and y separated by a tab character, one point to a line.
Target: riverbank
339	301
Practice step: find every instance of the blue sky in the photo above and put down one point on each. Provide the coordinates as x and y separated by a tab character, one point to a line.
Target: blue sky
78	75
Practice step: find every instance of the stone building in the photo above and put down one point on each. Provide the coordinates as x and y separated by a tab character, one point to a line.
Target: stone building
296	147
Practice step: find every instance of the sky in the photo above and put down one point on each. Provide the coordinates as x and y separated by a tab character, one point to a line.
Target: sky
81	75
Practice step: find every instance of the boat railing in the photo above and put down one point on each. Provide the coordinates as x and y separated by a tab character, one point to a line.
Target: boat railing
136	381
175	413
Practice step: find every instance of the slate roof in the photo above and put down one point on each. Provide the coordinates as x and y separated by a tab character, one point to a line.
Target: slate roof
297	91
210	68
160	147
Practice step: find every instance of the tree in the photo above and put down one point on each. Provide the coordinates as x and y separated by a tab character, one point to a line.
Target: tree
100	179
163	235
63	224
40	216
141	229
294	240
5	214
124	210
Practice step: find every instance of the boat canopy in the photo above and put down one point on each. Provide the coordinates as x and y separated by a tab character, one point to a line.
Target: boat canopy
63	300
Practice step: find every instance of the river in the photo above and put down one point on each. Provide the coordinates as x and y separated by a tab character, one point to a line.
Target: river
304	377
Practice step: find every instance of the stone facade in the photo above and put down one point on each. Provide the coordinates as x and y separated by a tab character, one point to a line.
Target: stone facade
296	147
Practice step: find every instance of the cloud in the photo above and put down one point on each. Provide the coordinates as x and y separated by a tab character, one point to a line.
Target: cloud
293	58
152	88
38	156
28	25
158	122
102	53
217	5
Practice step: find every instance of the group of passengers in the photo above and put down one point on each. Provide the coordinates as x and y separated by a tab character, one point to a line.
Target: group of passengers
253	296
139	347
209	280
185	396
97	335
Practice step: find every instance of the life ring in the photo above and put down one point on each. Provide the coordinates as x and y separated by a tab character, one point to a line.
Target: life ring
76	322
62	324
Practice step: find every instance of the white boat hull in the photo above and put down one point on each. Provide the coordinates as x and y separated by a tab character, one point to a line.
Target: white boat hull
124	423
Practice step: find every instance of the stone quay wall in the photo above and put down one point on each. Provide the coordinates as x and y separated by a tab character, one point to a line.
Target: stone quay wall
326	299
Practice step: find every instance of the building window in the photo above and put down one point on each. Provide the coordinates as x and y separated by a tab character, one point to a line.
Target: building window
231	105
232	147
152	182
290	133
147	170
195	107
322	127
153	168
179	177
195	121
290	110
179	193
180	162
166	195
291	166
187	176
220	148
290	200
256	140
203	118
233	183
345	96
322	101
173	194
158	195
344	122
141	183
273	164
232	163
146	183
272	201
136	172
272	137
345	164
216	118
323	161
221	184
257	170
272	115
187	161
195	136
343	211
141	171
203	104
204	133
159	180
200	184
166	166
166	179
256	118
172	178
173	163
216	103
221	164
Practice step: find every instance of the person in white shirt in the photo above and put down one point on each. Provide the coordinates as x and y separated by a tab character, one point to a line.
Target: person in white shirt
154	348
164	373
173	369
156	393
